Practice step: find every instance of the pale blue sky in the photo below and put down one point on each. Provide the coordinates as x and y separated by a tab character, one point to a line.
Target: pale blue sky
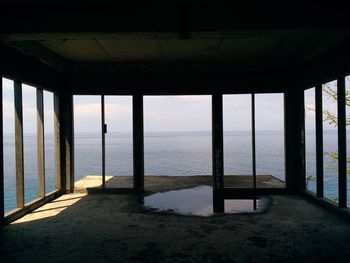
161	113
179	113
328	104
29	108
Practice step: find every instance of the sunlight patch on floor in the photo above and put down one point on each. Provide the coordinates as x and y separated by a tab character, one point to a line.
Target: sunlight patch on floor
91	181
51	209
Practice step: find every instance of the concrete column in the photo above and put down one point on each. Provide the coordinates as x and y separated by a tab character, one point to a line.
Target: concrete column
64	154
40	142
319	142
2	210
57	142
19	145
138	142
217	153
103	137
294	139
342	163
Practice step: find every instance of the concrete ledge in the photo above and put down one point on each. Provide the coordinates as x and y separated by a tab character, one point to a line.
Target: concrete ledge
326	203
35	204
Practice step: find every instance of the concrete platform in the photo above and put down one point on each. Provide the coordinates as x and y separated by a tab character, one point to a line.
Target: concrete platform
162	183
115	228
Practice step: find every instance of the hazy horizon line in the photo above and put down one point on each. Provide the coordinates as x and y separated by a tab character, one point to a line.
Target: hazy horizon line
191	131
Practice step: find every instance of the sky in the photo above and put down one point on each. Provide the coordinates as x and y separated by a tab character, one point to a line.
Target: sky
327	103
178	113
161	113
29	108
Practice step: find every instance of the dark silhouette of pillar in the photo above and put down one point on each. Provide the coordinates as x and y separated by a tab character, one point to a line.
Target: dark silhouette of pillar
138	142
217	153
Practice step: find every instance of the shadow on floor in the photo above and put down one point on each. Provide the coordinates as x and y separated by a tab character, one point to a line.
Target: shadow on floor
103	228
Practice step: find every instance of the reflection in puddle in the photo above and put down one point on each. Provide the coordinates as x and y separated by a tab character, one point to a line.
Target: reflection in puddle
199	201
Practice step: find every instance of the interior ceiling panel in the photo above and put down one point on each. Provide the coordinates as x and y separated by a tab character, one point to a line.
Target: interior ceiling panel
132	49
189	49
247	48
252	49
78	50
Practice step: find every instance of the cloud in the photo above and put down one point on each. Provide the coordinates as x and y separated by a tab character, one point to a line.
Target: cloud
93	110
347	82
196	98
8	109
237	102
118	109
187	99
7	84
7	88
28	89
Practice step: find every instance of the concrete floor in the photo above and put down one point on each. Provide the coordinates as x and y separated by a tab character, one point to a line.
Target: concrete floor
115	228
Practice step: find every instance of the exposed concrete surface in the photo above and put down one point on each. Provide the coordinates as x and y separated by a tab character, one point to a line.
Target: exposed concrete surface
115	228
163	183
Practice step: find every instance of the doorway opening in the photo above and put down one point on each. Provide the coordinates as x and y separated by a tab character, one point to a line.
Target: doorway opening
177	140
103	141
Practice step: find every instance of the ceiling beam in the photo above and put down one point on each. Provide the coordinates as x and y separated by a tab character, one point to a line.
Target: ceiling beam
189	82
329	65
42	54
23	68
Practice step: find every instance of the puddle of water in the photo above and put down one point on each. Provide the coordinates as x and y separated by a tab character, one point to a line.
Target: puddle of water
199	201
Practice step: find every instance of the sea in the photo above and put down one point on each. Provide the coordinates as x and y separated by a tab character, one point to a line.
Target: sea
171	154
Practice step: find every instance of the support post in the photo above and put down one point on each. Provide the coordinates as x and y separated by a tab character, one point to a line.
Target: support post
103	136
301	140
217	153
319	141
40	142
69	142
19	145
64	160
138	142
294	139
342	143
253	140
56	105
2	201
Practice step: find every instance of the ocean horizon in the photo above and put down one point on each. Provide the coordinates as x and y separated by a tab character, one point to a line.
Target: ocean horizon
166	153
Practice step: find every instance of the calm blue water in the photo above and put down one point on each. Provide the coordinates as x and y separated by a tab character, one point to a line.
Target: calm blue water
30	168
180	153
330	167
170	153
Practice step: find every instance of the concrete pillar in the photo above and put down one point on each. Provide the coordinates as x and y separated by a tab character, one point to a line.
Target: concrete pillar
138	142
19	145
342	162
217	153
319	142
64	155
2	211
294	139
40	142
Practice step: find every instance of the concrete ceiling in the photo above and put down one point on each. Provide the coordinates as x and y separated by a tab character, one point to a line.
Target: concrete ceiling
247	35
251	49
175	41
